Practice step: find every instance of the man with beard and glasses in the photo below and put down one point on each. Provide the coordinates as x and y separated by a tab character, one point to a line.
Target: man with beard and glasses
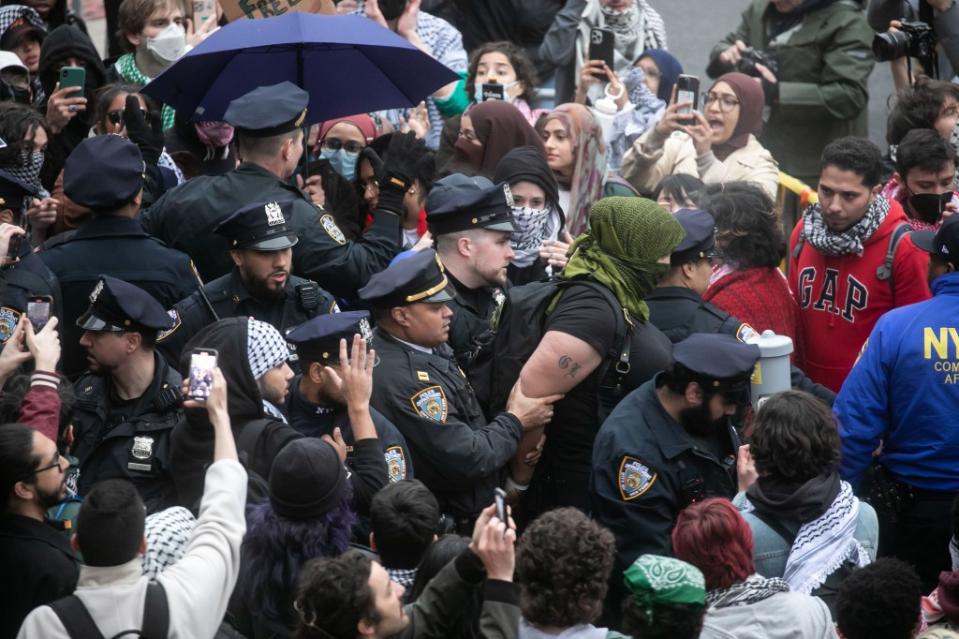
38	564
129	402
260	285
670	443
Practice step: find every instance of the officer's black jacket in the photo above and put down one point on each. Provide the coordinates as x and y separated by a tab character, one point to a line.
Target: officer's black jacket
457	454
114	246
640	511
185	217
230	298
472	309
137	449
679	312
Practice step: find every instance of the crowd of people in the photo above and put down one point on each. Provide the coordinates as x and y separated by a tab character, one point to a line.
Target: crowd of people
495	365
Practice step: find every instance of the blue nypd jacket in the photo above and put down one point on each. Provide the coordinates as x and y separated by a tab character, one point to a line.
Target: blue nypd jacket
904	391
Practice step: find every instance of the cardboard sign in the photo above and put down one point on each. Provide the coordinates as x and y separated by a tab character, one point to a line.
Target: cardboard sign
236	9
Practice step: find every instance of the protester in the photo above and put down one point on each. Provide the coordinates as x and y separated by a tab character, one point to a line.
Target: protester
22	31
899	392
880	601
27	135
660	72
404	519
667	599
285	532
851	260
111	590
352	596
14	79
928	104
924	181
129	402
540	241
741	602
563	562
719	145
807	525
814	60
506	64
488	131
442	552
472	221
679	191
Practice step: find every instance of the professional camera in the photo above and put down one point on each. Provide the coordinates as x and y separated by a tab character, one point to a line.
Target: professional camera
913	39
750	57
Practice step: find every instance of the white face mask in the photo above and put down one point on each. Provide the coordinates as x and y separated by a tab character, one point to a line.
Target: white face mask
168	45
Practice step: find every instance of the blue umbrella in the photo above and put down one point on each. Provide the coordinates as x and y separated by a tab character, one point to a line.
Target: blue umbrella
348	64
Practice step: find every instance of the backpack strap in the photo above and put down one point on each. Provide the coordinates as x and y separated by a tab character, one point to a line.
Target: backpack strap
249	436
156	612
800	243
884	271
76	618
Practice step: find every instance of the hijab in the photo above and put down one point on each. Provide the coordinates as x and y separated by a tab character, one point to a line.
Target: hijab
500	127
669	70
589	162
751	102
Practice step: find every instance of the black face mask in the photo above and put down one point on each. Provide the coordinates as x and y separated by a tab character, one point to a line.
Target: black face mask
928	207
392	9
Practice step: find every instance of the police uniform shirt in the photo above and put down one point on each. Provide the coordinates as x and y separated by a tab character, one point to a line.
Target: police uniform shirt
315	420
679	312
472	310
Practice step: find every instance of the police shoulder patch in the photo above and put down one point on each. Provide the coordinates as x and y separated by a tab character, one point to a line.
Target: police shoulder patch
745	333
395	463
175	316
8	322
329	225
635	478
431	404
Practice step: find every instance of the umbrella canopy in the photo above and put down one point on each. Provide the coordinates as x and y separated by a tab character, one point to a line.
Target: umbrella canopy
348	64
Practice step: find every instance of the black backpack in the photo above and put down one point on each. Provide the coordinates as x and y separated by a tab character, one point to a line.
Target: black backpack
516	331
79	624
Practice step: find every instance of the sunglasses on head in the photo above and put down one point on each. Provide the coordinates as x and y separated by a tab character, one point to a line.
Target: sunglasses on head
116	117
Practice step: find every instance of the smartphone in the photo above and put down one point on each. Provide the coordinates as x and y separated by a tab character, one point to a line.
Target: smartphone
202	363
13	248
203	10
493	91
687	90
601	43
38	311
73	77
499	496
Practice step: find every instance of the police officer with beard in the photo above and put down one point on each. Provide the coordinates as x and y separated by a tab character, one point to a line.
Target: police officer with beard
130	401
260	284
670	442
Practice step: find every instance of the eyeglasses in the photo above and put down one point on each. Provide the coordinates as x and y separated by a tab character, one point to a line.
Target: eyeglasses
726	102
335	144
54	464
116	117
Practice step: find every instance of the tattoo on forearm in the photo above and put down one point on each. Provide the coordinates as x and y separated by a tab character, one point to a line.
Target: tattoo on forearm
567	362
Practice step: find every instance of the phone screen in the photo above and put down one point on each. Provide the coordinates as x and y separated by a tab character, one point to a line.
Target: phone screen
202	364
38	312
500	498
687	90
493	91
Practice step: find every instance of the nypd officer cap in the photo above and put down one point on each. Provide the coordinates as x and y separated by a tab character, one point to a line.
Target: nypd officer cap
13	192
699	241
418	278
267	111
119	306
719	357
261	226
458	203
943	243
318	339
103	172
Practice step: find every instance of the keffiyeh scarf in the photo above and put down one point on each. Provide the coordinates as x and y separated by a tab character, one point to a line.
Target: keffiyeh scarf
534	227
265	349
127	69
824	544
850	241
756	588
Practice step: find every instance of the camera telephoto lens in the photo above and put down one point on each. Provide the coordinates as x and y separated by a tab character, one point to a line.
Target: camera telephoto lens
890	45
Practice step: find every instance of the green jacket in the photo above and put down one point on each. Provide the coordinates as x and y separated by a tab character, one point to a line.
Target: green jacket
824	68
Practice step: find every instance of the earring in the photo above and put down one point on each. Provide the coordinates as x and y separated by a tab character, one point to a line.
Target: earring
412	190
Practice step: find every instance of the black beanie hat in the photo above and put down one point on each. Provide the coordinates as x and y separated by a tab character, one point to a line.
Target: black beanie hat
307	479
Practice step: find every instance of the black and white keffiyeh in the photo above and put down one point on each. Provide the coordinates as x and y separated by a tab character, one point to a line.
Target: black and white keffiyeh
168	534
824	544
850	241
533	227
265	347
756	588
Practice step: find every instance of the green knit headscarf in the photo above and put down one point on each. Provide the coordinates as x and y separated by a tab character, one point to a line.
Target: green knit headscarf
626	238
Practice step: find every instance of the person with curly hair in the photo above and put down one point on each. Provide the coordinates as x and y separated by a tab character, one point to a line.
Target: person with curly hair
880	601
808	526
741	602
563	562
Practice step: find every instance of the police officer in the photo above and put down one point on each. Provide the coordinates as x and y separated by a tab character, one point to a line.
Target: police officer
320	402
670	442
903	393
130	401
268	123
260	284
105	174
417	385
472	221
676	306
